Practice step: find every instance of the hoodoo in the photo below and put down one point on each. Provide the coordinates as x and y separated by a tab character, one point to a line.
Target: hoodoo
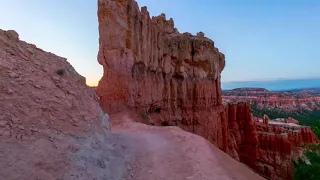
175	78
149	65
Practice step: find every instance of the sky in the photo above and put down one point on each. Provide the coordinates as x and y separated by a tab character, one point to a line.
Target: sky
262	40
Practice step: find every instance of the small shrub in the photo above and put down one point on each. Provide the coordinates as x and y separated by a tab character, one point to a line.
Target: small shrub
145	117
158	110
307	171
316	129
165	123
60	72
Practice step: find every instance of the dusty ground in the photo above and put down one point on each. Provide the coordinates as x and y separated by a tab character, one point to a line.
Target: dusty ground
169	153
51	126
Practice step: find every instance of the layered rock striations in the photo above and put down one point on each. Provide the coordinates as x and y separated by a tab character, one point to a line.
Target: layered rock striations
267	146
148	64
287	101
242	138
175	78
279	143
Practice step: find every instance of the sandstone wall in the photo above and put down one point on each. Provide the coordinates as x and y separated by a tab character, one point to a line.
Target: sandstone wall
278	145
149	65
175	78
242	135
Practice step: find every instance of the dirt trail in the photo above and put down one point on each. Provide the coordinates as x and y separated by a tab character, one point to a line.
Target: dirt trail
169	153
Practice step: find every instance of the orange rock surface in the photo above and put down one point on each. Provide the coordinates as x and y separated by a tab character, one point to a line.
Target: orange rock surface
279	142
175	78
148	64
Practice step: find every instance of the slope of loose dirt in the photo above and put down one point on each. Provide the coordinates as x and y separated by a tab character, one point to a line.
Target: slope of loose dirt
51	127
169	153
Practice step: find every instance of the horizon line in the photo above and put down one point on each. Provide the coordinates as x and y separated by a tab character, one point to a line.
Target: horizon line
271	79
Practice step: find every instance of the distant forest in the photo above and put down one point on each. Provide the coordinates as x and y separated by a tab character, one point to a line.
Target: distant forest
305	117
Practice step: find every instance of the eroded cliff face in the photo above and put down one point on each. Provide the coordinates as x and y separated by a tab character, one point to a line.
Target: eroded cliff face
279	143
287	101
175	78
148	64
242	141
267	146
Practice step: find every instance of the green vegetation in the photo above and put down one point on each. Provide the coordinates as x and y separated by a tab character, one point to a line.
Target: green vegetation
311	118
307	171
272	113
144	115
307	117
304	117
313	147
316	129
145	119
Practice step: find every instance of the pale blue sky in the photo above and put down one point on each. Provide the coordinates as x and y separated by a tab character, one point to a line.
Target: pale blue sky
265	39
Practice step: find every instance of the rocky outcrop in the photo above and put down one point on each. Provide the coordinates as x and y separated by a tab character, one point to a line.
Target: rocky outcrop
175	79
51	126
242	141
287	101
148	64
279	143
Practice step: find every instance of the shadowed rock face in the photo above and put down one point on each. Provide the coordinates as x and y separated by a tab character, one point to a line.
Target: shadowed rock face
51	126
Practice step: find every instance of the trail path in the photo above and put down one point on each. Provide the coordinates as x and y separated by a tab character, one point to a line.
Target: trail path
169	153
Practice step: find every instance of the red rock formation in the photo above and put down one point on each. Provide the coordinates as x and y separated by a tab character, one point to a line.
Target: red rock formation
175	78
149	65
286	101
266	146
278	144
266	119
291	120
242	137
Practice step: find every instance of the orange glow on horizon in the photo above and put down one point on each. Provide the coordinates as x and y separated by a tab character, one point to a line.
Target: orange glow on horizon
92	84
